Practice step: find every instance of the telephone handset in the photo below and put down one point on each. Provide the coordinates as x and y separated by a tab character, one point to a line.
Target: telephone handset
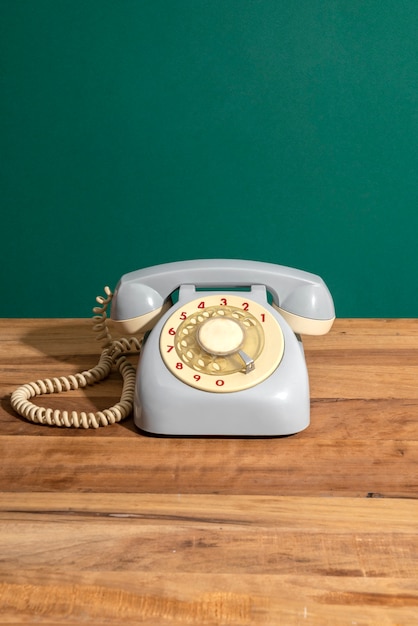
217	362
222	362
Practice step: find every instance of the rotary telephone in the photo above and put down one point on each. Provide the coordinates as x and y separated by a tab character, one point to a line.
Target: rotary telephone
220	361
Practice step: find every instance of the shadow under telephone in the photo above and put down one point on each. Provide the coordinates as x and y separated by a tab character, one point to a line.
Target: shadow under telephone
217	362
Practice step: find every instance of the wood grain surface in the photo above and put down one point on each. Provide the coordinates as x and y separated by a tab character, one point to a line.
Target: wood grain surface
114	526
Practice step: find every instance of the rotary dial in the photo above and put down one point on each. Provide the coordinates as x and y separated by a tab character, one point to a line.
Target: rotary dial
220	344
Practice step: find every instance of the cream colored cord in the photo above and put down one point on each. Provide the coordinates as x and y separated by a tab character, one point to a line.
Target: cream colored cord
113	355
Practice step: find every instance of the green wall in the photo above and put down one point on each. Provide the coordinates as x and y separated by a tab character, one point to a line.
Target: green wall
137	132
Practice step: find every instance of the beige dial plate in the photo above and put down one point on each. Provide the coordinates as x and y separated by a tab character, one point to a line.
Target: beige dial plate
203	341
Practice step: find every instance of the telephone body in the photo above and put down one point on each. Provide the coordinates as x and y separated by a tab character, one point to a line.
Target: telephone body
222	360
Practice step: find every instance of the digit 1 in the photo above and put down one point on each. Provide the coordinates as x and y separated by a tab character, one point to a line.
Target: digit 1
263	317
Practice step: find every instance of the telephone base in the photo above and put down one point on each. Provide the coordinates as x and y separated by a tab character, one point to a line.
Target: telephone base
278	406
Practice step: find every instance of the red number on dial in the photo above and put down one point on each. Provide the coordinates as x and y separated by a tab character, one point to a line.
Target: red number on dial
172	331
220	382
183	315
170	348
245	306
263	317
179	366
196	377
224	301
201	305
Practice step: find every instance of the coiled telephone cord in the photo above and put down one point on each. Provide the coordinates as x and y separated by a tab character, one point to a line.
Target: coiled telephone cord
113	355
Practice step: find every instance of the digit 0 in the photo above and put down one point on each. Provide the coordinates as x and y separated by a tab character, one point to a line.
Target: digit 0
220	382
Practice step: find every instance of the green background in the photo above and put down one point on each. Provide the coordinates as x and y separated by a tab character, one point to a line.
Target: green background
137	132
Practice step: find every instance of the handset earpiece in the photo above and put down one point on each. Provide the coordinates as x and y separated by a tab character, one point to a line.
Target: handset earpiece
137	307
308	309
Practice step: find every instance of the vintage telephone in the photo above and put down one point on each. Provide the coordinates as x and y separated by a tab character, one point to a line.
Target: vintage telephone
220	361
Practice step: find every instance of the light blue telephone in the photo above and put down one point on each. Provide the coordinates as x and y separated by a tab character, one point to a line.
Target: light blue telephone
222	362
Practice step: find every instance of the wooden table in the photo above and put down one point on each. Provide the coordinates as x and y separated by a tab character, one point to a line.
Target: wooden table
112	526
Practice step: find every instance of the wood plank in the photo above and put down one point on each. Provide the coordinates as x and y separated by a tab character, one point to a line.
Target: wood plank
334	418
306	514
330	418
94	558
287	466
205	599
